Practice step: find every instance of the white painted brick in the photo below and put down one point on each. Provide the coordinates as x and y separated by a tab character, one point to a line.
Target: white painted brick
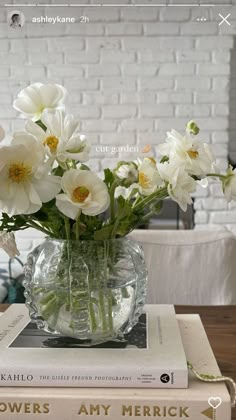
162	28
84	57
150	56
103	70
193	56
156	83
99	125
201	216
117	57
81	84
85	29
150	111
190	83
213	123
214	42
201	192
124	29
220	137
36	58
119	84
175	97
17	45
221	110
221	83
100	98
213	69
140	70
119	111
139	14
176	69
137	124
216	190
65	71
45	30
138	98
223	217
118	139
106	43
221	57
192	111
177	43
213	203
222	164
111	14
62	44
220	150
199	28
168	14
87	111
212	97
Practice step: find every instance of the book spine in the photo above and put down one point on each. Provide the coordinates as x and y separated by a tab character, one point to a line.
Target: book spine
48	376
117	408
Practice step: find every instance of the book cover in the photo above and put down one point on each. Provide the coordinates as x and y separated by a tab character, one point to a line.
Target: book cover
120	403
152	355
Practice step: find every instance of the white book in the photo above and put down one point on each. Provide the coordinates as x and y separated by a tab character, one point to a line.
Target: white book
152	355
122	403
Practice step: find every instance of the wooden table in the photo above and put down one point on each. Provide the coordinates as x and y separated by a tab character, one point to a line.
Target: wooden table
220	325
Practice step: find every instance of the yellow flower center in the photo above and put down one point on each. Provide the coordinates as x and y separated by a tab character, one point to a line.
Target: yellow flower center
193	154
19	172
80	194
143	180
51	142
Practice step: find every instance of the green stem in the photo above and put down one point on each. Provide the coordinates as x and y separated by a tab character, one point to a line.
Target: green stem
38	227
160	194
112	200
67	227
77	228
222	177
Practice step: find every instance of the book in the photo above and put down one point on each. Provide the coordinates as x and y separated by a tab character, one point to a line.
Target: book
121	403
152	354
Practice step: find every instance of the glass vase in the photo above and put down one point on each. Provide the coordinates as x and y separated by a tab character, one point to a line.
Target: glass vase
93	291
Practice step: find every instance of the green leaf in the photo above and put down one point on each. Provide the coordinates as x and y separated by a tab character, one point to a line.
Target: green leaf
156	207
108	177
59	171
164	159
104	233
84	167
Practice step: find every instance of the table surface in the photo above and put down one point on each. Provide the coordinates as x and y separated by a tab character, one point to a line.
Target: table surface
220	325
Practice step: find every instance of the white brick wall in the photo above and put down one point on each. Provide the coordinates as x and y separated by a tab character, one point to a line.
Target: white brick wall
132	74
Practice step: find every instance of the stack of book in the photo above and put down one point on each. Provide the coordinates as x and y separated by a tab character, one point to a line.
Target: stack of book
146	376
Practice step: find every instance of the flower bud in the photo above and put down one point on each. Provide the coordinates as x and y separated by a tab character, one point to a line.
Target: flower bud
193	128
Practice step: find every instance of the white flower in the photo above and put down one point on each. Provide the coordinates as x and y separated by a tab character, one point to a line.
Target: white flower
185	151
127	171
148	177
8	243
180	184
2	133
24	182
229	184
126	193
34	99
62	139
84	192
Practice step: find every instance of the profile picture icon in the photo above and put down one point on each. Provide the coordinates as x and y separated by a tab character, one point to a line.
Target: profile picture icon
16	19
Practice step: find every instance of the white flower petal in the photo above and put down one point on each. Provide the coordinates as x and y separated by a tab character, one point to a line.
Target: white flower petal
65	205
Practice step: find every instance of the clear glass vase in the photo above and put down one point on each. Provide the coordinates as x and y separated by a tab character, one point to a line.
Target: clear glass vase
93	291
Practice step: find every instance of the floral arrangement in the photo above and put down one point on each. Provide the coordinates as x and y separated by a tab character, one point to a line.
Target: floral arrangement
45	182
